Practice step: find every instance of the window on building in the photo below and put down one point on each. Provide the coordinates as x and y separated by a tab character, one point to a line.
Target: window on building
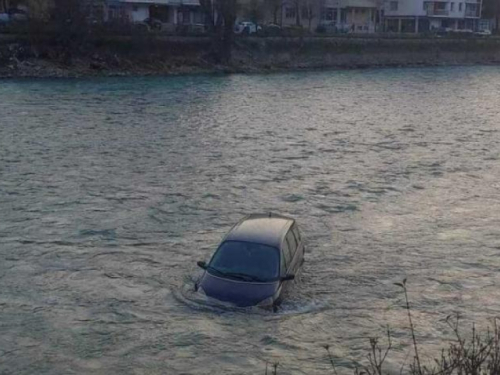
199	17
135	8
186	16
460	6
452	6
305	12
112	13
329	14
160	13
393	5
290	13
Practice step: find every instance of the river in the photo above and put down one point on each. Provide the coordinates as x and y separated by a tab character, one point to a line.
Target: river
111	189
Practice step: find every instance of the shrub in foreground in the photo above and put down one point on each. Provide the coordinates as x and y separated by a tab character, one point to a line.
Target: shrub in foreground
478	354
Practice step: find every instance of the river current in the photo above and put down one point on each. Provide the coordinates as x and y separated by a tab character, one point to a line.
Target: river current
111	190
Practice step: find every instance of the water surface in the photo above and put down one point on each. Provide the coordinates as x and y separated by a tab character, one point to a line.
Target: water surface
112	189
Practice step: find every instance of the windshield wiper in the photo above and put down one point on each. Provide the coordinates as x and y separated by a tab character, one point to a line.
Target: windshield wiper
222	273
236	275
243	276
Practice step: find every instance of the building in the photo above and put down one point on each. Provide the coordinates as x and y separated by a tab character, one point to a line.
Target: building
422	15
171	13
359	16
353	16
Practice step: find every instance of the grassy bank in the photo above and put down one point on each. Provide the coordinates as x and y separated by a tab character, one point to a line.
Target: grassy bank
41	56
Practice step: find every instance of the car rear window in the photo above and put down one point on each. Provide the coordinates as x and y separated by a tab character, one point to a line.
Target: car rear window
247	258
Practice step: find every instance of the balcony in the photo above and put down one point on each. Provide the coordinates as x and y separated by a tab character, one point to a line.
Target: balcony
359	3
471	13
438	12
163	2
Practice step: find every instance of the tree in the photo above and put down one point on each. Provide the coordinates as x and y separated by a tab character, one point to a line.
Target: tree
310	10
39	9
491	10
220	17
297	6
69	21
254	11
228	13
274	7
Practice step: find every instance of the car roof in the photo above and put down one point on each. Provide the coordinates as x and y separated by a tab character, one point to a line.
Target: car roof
266	229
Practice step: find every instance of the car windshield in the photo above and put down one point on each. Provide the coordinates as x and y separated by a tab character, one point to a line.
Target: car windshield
247	261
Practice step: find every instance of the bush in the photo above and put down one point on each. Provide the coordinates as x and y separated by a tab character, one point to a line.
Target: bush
294	31
473	355
321	29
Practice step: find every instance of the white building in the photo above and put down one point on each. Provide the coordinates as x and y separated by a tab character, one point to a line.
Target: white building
424	15
358	16
171	13
354	16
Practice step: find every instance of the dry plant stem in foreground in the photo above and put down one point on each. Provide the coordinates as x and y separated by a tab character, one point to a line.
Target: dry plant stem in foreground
327	348
474	355
412	327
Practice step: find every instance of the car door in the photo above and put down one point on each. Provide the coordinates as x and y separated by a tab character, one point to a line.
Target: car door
300	246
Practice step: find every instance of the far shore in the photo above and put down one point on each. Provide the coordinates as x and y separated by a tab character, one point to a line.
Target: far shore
47	70
128	56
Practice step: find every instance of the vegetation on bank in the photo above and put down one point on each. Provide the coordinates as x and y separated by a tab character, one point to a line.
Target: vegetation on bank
474	354
41	55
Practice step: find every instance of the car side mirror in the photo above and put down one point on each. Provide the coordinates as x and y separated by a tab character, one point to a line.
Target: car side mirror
288	277
202	264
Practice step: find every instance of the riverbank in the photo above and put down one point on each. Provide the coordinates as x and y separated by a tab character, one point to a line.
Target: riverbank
143	55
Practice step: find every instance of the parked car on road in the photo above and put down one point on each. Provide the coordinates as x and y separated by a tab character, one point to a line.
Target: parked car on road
484	32
255	262
246	28
272	30
13	15
154	24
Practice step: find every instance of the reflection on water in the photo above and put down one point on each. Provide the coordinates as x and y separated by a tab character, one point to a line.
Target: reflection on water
112	189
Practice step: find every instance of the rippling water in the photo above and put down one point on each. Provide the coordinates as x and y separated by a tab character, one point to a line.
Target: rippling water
112	189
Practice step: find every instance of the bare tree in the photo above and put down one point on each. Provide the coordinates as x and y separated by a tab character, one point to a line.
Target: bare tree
228	13
491	9
70	22
297	6
275	8
311	10
39	9
255	11
208	8
220	17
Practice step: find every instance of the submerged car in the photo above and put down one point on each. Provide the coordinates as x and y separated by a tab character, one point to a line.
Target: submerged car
255	262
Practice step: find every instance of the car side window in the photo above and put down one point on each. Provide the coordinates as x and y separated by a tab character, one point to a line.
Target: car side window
292	244
296	233
286	254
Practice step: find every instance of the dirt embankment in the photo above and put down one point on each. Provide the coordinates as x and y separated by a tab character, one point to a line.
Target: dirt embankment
115	56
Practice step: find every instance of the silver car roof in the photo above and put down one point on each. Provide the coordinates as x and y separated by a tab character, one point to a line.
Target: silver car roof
266	229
